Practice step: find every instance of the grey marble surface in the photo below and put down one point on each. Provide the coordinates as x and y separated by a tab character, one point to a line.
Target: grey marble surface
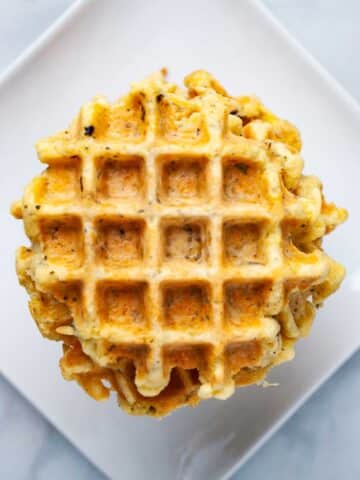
320	441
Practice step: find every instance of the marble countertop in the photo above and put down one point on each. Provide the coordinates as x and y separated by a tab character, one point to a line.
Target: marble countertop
320	441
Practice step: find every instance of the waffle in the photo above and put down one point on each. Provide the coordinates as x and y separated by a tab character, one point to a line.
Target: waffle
175	244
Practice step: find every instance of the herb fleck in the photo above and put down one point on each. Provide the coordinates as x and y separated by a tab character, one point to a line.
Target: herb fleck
245	120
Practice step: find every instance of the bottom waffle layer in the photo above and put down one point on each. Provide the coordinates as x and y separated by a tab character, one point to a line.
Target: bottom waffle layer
176	246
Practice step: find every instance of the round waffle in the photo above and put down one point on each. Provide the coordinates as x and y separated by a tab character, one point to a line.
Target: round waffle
175	244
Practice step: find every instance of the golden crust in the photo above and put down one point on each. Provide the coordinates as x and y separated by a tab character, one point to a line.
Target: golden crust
175	244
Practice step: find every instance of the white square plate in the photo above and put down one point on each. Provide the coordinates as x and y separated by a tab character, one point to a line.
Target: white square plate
99	47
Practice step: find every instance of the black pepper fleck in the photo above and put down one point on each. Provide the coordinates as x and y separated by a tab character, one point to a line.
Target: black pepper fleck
159	97
142	113
242	167
89	130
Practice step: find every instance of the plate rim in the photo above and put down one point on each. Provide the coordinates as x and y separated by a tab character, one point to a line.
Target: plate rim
58	27
353	105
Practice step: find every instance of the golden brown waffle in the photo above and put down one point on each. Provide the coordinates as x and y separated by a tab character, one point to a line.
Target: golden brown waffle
175	244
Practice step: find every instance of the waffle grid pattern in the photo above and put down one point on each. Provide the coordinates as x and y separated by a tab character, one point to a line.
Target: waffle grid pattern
173	246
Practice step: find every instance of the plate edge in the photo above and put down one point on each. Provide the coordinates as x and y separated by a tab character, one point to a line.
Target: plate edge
42	40
354	106
307	57
288	413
